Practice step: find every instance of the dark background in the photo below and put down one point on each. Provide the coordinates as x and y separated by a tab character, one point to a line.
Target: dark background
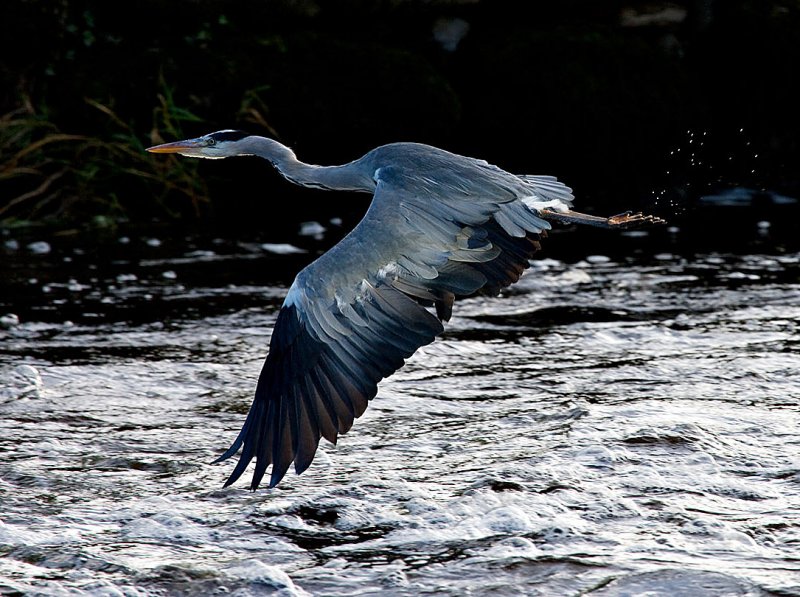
636	105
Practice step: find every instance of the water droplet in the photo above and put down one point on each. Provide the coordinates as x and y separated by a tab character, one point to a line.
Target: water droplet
39	247
9	320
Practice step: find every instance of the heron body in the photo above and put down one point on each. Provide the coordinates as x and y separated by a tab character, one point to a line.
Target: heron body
440	226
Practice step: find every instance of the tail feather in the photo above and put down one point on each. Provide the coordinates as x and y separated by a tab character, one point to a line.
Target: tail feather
548	192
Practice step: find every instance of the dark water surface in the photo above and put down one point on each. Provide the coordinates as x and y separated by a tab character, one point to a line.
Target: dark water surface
619	423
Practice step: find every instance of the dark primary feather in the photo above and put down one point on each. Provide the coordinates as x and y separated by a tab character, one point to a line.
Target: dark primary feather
310	389
436	230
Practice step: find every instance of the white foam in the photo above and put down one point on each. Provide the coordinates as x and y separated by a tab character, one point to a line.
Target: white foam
282	248
270	577
20	383
166	526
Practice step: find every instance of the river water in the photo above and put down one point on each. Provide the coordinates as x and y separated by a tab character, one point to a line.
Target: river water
621	422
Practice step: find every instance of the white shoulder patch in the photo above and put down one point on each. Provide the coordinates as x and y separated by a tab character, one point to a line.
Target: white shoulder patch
538	204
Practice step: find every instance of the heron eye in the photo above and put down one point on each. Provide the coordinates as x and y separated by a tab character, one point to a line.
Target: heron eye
211	141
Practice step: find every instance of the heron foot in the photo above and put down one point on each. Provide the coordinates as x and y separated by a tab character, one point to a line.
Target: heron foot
632	220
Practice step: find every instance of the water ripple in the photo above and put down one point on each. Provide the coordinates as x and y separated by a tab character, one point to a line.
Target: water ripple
604	428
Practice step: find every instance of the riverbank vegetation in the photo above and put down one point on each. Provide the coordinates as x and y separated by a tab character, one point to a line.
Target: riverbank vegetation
595	95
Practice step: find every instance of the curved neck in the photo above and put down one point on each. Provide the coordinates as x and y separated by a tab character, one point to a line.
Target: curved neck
348	177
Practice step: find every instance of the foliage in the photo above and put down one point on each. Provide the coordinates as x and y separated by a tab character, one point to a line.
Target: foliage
50	174
566	88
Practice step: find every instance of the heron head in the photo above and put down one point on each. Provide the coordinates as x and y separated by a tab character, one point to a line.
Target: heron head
221	144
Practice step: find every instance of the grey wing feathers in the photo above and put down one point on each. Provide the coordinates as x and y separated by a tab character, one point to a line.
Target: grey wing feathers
311	387
353	316
549	188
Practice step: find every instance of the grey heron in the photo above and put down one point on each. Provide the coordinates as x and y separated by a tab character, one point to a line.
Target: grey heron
440	226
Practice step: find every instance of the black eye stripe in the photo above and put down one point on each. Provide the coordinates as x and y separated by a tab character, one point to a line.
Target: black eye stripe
228	136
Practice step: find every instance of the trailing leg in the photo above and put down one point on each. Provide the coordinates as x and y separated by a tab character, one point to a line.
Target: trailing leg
620	221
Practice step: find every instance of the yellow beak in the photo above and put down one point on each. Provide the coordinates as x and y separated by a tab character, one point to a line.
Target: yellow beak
176	146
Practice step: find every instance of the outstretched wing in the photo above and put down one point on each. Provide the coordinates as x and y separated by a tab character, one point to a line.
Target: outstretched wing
353	316
322	369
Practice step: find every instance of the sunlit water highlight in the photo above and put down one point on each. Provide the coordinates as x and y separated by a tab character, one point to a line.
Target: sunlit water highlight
605	428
